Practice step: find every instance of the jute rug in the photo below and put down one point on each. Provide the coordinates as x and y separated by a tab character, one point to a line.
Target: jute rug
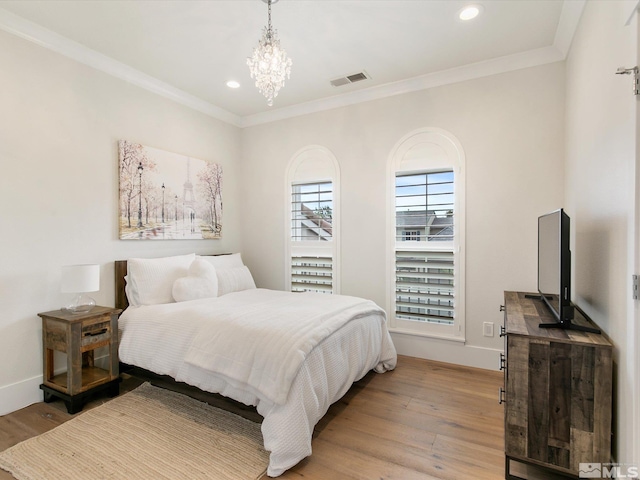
148	433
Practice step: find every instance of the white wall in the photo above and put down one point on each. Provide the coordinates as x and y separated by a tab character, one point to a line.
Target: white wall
59	129
600	191
511	129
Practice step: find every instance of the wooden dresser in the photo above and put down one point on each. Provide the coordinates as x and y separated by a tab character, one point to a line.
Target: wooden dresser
558	387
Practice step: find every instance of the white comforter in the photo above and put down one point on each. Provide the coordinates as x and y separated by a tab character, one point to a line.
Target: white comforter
341	348
262	341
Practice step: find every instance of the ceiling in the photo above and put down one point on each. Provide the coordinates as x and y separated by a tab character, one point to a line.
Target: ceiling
188	50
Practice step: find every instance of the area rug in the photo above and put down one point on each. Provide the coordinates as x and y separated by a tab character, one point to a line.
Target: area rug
148	433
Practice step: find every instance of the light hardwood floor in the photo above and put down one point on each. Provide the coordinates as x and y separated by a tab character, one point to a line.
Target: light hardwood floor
424	420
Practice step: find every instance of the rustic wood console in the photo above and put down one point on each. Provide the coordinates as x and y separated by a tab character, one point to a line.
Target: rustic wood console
558	387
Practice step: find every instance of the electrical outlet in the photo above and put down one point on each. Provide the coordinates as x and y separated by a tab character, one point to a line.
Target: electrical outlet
487	329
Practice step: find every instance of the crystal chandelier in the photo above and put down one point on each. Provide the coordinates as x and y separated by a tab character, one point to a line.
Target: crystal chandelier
269	64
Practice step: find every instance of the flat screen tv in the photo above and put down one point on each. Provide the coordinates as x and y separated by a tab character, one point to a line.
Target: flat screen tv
554	270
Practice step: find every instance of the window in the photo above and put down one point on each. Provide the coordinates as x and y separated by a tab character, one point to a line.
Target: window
425	279
311	221
424	201
311	211
312	256
427	254
409	235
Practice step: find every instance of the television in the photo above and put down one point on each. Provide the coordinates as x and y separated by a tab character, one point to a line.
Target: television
554	270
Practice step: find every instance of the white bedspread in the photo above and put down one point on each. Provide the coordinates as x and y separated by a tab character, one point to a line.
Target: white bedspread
261	337
158	337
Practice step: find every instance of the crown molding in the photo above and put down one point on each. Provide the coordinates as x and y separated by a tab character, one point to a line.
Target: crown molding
44	37
567	25
632	13
487	68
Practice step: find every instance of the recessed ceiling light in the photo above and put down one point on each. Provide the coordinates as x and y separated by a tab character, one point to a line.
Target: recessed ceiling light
469	12
233	84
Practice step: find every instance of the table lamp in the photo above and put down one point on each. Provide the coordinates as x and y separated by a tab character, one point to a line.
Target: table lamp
80	279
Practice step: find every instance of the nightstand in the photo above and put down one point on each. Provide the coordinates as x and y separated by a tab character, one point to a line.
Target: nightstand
79	335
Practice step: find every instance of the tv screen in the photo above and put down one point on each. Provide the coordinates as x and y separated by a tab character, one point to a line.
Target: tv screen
554	263
554	271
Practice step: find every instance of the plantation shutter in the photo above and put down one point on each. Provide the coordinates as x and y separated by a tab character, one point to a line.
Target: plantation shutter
424	253
312	212
425	286
312	274
312	237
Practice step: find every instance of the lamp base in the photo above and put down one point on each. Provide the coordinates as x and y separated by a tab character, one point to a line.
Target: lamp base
81	304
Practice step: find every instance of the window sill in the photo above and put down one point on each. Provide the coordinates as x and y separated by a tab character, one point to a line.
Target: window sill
413	333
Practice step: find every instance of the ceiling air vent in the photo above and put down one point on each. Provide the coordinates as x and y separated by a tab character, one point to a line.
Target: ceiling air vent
353	78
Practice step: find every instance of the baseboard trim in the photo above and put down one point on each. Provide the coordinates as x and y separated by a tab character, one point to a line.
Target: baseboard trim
20	394
445	351
26	392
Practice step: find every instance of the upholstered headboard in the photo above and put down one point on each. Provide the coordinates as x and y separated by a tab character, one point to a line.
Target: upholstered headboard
120	272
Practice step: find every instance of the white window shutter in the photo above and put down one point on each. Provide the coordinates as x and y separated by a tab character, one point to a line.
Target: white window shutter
312	265
425	286
312	274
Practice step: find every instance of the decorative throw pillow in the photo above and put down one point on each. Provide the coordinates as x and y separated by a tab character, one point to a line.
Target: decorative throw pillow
234	280
150	280
201	282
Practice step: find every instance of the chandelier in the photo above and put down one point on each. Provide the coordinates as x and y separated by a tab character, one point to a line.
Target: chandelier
269	64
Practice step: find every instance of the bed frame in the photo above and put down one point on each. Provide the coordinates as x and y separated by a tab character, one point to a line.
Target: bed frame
165	381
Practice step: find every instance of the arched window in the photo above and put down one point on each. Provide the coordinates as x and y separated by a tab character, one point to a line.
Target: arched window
426	233
312	222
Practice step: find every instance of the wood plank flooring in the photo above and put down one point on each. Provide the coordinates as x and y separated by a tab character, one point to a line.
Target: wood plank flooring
425	420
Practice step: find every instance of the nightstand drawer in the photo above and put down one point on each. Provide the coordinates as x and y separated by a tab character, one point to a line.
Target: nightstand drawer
96	333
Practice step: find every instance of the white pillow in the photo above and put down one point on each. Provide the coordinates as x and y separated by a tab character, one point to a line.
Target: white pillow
201	282
234	280
224	261
150	280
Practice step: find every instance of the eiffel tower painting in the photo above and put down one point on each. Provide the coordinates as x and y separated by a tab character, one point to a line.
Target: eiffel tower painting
167	196
188	199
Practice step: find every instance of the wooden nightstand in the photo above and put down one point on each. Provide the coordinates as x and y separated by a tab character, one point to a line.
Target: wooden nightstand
79	335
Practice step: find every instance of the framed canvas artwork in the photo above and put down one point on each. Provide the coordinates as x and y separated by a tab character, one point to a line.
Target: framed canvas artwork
167	196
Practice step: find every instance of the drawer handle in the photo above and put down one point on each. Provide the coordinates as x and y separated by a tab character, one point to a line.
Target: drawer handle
502	308
96	333
502	361
501	399
503	331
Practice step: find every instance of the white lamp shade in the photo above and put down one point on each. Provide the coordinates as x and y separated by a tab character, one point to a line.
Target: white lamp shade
80	278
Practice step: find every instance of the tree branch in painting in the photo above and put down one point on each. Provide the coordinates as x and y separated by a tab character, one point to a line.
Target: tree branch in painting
210	189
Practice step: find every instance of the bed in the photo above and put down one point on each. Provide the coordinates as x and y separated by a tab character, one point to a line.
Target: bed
289	355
